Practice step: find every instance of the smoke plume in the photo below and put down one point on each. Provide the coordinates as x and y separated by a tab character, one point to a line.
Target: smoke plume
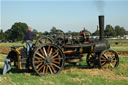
100	4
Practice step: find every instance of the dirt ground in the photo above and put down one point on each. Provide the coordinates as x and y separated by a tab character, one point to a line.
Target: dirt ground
4	50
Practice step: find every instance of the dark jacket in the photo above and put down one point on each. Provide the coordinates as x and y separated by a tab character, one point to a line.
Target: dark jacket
29	35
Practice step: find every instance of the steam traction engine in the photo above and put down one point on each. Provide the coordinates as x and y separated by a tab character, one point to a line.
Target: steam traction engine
50	52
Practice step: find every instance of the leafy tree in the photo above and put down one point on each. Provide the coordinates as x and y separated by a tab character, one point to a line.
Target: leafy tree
18	31
8	35
109	31
46	33
2	36
120	31
53	30
126	32
35	31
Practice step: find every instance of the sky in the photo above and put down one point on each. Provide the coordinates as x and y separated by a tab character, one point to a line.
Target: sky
67	15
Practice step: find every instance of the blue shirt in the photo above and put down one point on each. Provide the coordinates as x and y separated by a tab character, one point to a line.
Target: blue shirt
29	35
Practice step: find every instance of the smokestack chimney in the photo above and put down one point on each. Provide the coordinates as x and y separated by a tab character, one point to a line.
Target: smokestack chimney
101	27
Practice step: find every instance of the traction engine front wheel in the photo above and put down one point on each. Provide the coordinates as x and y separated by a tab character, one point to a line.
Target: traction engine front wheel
108	59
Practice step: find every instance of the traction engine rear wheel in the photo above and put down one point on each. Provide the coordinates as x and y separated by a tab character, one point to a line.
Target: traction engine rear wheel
48	59
109	59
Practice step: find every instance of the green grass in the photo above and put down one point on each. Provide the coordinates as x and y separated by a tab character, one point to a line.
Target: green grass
119	48
121	42
60	79
12	44
2	57
70	76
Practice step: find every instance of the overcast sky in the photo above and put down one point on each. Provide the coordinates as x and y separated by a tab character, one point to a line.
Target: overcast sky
63	14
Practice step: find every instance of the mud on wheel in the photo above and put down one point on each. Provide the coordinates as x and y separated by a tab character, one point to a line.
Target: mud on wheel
48	59
108	59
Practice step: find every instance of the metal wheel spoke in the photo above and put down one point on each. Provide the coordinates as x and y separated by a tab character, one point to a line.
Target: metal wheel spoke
57	58
44	69
47	69
42	52
112	54
48	49
38	61
103	63
114	60
40	67
56	62
50	69
55	65
111	65
104	57
50	52
112	57
40	55
45	52
103	60
39	58
55	55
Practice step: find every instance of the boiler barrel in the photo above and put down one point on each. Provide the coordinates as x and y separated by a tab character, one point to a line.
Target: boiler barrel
101	45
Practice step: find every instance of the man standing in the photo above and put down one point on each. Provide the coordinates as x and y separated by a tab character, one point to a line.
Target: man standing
29	38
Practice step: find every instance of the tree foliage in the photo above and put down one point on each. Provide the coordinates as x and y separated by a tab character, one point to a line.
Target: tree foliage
2	36
18	31
112	31
109	31
120	31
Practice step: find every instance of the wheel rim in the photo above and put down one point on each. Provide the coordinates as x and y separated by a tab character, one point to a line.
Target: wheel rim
48	59
109	59
43	40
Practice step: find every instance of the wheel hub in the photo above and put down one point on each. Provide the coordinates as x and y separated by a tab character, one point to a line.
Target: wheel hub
108	59
47	60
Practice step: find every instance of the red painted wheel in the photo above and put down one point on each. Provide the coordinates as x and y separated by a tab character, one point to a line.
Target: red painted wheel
48	59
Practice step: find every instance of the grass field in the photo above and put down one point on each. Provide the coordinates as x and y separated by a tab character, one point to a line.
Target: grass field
75	75
121	46
71	75
12	44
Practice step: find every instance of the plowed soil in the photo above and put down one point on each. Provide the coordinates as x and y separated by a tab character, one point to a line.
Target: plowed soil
122	53
4	50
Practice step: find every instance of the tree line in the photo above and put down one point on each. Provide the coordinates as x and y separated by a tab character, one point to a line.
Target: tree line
111	31
18	29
